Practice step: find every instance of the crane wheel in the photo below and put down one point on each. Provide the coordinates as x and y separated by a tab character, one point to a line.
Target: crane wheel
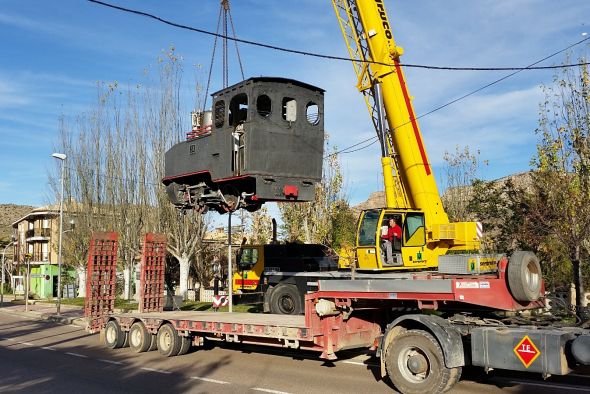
415	364
114	337
286	300
524	276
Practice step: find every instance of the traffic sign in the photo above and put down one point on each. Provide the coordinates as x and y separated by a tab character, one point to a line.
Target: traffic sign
220	300
526	351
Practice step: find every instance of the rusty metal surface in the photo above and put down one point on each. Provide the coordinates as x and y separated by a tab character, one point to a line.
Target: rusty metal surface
153	263
100	279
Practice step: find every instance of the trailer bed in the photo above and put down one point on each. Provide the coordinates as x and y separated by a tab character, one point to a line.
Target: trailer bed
258	319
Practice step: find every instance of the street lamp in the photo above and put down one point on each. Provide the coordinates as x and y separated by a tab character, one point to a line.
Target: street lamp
62	157
3	259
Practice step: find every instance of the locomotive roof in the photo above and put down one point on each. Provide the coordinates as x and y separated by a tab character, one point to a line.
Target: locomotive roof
269	79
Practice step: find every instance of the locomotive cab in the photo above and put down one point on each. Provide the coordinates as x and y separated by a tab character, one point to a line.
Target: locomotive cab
265	143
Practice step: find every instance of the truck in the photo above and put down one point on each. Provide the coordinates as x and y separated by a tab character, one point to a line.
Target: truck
439	307
423	327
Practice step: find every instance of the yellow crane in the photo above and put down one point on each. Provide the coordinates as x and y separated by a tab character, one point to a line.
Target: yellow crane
412	196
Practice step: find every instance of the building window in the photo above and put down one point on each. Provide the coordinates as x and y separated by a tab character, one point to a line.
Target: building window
45	223
44	252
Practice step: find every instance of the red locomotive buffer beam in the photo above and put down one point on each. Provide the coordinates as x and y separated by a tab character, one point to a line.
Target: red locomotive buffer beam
100	279
153	263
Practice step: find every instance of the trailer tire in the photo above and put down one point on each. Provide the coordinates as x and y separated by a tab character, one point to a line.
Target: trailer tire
524	276
114	337
153	343
140	339
415	364
286	300
168	341
185	345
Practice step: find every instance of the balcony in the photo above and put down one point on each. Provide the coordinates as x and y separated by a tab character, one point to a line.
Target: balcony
38	234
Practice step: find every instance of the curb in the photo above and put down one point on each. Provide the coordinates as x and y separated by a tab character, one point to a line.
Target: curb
77	321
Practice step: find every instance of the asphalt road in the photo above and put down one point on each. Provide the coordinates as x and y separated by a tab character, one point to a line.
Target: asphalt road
42	357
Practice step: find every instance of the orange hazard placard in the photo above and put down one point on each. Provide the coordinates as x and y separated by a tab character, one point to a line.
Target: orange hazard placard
526	351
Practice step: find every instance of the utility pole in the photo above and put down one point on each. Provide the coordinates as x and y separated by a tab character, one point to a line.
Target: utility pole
229	265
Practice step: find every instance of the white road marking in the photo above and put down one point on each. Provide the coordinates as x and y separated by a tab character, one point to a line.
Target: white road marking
209	380
372	365
268	390
8	339
49	348
26	343
156	370
110	361
546	384
76	355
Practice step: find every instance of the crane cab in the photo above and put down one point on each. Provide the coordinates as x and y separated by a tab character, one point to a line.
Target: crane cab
408	252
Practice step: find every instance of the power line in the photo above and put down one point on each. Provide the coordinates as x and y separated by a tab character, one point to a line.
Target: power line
331	57
516	70
530	67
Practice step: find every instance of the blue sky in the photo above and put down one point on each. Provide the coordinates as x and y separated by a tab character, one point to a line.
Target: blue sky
54	52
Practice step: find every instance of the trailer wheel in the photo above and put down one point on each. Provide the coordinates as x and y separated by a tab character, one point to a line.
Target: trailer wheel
140	339
168	341
185	345
285	300
524	276
114	337
153	343
415	364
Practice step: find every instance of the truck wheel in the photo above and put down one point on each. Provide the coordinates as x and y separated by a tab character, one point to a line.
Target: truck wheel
454	379
185	345
285	300
168	341
524	276
415	364
114	337
139	338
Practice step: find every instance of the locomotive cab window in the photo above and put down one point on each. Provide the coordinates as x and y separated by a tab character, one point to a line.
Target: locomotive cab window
238	109
219	113
263	105
312	113
289	109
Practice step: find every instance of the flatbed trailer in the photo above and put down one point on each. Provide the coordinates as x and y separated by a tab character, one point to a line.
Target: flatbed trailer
424	328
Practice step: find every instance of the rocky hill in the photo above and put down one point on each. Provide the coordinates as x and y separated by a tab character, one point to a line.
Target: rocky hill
10	213
377	199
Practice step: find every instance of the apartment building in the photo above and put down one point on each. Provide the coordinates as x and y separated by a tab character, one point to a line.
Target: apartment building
37	235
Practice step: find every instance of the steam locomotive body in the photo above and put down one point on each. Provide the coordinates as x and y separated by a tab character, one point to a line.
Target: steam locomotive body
262	141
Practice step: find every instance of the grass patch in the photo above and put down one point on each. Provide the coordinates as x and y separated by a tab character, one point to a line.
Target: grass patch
119	303
186	305
208	307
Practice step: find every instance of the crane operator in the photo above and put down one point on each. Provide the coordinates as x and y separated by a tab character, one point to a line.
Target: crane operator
392	233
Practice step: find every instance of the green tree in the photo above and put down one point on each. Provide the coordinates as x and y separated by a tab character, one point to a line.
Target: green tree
562	171
312	222
461	169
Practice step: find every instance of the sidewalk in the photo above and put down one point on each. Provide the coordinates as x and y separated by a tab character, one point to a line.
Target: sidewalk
44	310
